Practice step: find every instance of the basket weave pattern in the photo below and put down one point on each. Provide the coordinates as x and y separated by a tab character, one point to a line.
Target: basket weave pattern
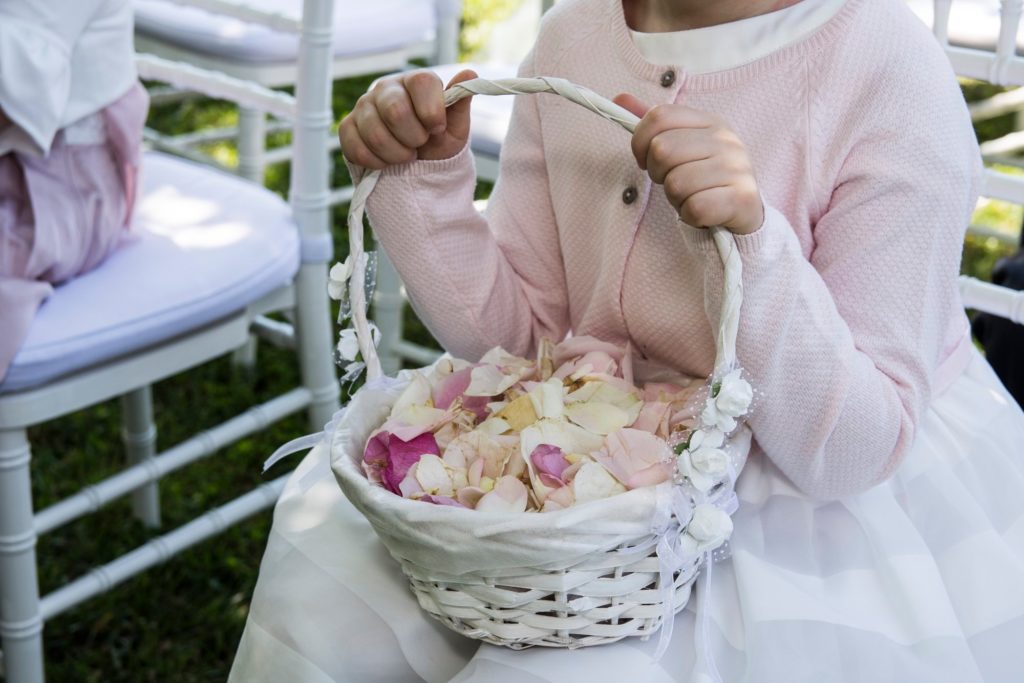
629	587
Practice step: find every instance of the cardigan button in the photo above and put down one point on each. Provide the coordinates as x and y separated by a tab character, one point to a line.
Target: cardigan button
668	79
629	195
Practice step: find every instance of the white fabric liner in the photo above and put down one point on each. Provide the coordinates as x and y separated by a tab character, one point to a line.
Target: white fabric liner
918	580
972	23
727	46
204	245
360	28
490	115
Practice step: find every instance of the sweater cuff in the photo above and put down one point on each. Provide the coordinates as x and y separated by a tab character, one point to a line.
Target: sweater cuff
420	167
751	245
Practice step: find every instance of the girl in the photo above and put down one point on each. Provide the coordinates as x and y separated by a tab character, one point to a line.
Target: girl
880	535
71	116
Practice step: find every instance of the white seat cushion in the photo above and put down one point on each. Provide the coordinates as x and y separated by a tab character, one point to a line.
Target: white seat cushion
490	115
972	23
360	28
205	245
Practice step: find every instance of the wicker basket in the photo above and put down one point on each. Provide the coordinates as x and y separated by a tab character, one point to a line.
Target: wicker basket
590	574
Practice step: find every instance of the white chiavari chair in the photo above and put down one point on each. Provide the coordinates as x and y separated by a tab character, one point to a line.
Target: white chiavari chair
213	254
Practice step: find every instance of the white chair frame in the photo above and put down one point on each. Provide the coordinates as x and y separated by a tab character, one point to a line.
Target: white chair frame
22	610
253	157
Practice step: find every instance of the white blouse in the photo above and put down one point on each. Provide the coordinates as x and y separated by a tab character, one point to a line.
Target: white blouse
727	46
61	62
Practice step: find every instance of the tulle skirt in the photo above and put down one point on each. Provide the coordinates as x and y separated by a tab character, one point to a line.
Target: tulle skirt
920	579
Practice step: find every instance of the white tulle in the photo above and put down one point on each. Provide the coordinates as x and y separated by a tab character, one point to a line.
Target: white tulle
920	579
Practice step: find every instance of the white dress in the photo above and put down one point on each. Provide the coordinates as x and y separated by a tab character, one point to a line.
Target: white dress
919	580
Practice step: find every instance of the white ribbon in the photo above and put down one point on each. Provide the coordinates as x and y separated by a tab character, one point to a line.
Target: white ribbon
673	513
304	443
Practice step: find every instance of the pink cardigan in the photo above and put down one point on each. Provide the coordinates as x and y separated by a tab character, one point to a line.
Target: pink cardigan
851	320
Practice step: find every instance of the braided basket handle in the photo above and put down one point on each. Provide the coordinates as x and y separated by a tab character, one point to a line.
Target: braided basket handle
725	346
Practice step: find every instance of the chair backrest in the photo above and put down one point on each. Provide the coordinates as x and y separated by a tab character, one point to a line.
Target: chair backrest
309	109
1001	66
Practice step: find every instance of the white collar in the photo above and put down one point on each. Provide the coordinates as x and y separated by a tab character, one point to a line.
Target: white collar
727	46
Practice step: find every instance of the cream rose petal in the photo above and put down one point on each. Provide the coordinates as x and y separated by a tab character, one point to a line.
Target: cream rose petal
547	399
489	380
417	393
600	418
593	482
433	476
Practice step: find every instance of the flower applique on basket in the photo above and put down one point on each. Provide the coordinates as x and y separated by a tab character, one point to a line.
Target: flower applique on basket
650	508
348	353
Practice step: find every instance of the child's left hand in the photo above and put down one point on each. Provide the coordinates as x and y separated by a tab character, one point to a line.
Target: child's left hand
702	164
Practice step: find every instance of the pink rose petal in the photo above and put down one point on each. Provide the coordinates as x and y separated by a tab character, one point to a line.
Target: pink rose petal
392	457
636	458
509	495
451	387
549	460
654	418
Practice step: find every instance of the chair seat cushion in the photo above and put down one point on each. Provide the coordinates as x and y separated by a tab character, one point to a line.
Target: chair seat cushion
205	244
490	115
972	23
360	28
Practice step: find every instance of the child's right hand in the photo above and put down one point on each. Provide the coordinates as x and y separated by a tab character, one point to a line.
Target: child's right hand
404	119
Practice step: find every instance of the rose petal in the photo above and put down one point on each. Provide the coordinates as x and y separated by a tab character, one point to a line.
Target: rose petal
599	418
636	458
509	495
434	477
548	459
654	418
451	387
593	482
547	399
393	457
470	496
520	413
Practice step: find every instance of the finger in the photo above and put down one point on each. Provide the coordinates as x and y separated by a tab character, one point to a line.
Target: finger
459	113
353	147
688	179
395	108
631	104
425	91
676	147
660	119
378	138
711	206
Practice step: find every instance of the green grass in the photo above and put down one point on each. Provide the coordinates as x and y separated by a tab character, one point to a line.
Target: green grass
181	621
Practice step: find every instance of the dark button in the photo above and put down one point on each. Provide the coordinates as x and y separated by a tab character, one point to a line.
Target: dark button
629	195
668	78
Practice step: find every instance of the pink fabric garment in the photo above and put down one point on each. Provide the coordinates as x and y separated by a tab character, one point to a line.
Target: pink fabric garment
61	215
869	170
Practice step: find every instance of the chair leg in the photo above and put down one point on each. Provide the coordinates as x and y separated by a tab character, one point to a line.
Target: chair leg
313	343
21	621
252	143
388	303
139	434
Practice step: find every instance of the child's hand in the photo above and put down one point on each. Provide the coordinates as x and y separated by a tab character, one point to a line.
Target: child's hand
704	167
403	119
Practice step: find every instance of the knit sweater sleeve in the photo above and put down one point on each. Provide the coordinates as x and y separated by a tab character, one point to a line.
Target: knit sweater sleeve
478	281
845	344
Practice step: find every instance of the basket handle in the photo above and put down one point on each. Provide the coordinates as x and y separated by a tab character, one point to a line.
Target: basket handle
725	244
